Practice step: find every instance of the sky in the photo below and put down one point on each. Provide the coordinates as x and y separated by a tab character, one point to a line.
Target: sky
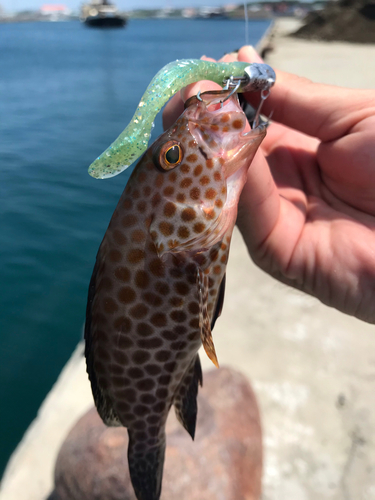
16	5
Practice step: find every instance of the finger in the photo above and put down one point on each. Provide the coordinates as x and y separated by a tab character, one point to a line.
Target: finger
175	106
232	57
172	110
323	111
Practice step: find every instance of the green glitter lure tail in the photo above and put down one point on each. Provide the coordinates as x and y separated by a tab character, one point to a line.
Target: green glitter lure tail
133	141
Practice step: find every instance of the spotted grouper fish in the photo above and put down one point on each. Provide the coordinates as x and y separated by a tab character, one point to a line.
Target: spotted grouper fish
158	283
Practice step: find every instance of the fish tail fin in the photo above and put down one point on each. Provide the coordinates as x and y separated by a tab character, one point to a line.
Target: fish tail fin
146	467
185	400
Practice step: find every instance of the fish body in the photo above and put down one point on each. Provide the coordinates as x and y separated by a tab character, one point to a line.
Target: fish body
158	282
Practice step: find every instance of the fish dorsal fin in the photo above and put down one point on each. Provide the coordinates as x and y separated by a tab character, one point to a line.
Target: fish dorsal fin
204	319
185	399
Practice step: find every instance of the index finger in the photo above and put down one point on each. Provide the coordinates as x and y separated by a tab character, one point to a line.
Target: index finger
323	111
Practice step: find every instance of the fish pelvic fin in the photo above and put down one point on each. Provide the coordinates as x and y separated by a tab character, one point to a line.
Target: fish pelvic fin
146	468
204	319
185	399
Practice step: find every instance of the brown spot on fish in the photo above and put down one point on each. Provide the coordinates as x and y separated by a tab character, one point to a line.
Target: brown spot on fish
159	180
169	209
152	343
183	232
178	316
142	279
194	307
225	118
185	183
135	372
172	176
119	237
141	206
162	393
126	295
122	324
185	169
139	311
142	177
166	228
158	319
238	124
105	284
147	191
168	191
144	329
192	158
122	274
153	369
195	193
176	302
181	197
204	180
181	288
219	203
120	357
127	204
210	214
152	299
214	127
194	323
209	163
135	256
147	399
156	267
129	220
162	288
141	357
146	384
169	334
156	199
199	227
163	356
217	270
124	342
198	170
115	256
109	305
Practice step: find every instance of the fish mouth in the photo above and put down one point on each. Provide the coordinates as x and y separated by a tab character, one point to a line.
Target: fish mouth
222	128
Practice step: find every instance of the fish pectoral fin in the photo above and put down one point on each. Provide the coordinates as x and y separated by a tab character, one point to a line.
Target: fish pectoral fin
185	399
204	319
219	303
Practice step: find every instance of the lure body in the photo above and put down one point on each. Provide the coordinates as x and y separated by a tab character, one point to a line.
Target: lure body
158	281
133	141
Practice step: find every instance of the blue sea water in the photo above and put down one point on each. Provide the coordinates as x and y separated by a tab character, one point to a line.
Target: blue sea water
66	92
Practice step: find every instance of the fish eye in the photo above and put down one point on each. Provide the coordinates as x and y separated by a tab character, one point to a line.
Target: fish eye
173	155
169	155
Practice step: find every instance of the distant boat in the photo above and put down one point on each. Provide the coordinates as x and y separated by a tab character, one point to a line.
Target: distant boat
101	14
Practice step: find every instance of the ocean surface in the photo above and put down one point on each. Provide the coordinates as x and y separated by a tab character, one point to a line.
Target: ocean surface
66	92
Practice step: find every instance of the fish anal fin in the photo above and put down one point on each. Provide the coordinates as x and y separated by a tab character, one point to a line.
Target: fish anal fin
204	319
185	400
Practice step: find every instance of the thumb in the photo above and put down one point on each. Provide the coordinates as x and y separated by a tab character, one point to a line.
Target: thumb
323	111
259	205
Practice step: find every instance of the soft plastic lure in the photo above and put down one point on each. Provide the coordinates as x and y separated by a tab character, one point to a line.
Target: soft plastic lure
133	141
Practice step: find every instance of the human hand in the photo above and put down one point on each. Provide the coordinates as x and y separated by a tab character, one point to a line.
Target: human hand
307	211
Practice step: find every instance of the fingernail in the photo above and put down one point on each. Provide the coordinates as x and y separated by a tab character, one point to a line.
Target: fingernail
248	53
